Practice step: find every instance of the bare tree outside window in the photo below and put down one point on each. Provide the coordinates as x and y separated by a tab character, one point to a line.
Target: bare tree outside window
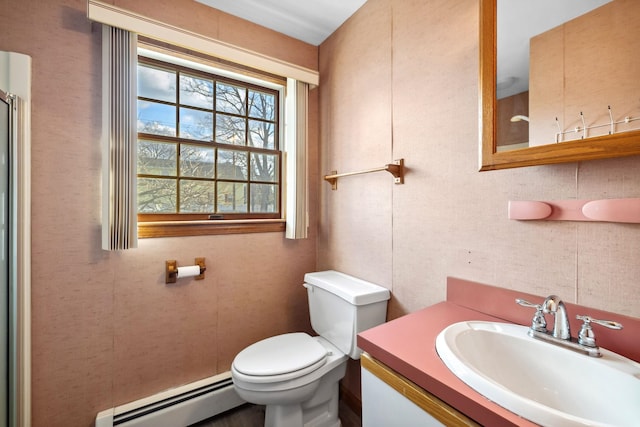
207	144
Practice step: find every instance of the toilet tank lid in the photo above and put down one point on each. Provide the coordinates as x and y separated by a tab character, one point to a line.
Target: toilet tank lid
351	289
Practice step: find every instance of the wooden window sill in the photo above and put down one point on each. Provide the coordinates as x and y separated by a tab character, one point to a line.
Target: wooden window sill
208	228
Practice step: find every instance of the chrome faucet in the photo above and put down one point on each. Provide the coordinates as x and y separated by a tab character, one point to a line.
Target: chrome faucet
554	305
561	333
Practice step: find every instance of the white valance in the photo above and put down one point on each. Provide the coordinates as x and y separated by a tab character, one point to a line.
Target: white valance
121	18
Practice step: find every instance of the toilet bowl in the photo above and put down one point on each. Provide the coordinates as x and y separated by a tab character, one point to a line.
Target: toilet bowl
300	394
297	375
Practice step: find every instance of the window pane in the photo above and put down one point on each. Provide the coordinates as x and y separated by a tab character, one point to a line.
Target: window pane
196	124
196	196
231	99
261	134
264	167
156	195
156	83
232	165
156	158
158	119
230	130
262	105
197	161
196	92
192	162
264	198
232	197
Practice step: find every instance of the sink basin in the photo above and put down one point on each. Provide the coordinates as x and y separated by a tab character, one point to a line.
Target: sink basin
539	381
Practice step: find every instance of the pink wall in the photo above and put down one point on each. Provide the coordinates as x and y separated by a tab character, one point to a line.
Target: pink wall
106	329
400	80
561	88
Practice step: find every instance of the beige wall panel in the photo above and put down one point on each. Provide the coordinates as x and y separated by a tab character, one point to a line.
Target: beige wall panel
227	28
607	261
181	13
585	66
356	134
355	95
546	83
265	300
254	37
106	328
450	220
612	71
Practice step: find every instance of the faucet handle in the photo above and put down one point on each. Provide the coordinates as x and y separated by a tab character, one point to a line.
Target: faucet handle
586	336
538	323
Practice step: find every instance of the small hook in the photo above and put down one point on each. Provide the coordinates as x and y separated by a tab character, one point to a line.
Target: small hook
611	131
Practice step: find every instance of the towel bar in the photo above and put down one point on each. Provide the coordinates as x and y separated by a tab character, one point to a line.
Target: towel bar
396	169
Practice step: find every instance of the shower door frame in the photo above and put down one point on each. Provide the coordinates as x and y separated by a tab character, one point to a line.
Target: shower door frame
7	345
15	87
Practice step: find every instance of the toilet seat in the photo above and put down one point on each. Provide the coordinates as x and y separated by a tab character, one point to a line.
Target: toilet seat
280	358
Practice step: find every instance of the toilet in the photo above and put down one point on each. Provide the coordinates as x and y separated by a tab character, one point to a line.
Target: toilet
296	375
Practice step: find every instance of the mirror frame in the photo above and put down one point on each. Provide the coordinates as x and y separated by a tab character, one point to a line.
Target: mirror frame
601	147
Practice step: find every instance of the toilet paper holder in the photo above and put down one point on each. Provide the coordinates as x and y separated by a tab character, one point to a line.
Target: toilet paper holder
171	270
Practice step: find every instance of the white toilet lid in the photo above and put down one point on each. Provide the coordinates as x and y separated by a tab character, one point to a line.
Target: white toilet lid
280	355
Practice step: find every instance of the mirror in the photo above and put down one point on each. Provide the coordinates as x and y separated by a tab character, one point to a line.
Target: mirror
571	120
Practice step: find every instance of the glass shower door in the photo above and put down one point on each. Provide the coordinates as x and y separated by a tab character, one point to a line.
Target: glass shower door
5	335
15	239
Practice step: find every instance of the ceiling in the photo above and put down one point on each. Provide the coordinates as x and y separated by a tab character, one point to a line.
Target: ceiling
311	21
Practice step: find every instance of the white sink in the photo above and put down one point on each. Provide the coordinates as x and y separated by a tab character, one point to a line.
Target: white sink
539	381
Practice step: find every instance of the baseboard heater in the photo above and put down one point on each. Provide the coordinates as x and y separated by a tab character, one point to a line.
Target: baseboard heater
181	406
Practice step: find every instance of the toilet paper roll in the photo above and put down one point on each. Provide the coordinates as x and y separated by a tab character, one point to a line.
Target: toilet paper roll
188	271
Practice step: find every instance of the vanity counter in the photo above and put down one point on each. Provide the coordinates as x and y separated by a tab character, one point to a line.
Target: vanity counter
407	344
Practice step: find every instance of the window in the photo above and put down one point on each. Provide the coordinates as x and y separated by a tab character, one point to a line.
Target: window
208	146
164	42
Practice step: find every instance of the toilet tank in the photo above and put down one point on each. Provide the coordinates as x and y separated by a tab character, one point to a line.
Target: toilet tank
341	306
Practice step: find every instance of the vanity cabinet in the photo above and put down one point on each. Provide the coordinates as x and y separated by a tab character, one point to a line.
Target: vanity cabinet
389	399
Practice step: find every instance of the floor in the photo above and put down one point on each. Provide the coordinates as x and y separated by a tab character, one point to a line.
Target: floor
253	415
